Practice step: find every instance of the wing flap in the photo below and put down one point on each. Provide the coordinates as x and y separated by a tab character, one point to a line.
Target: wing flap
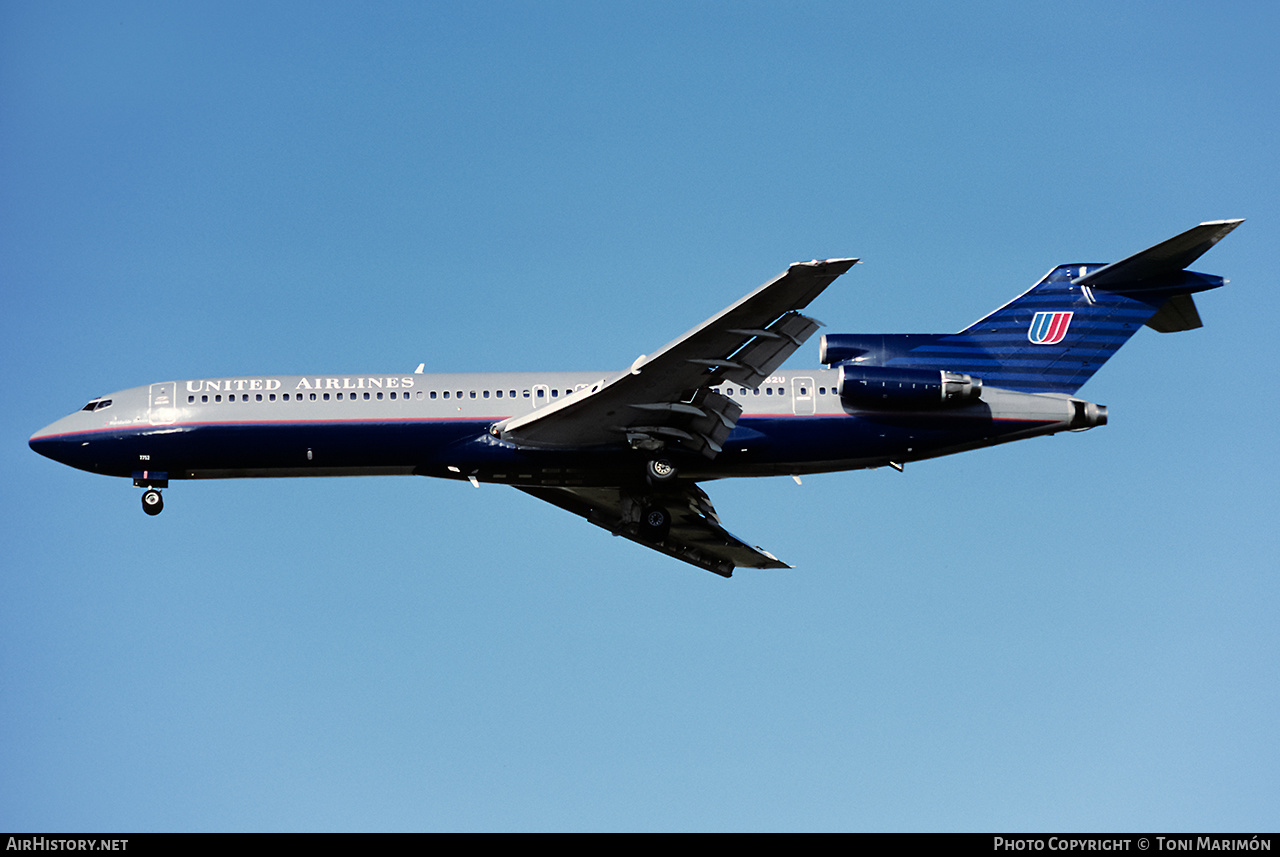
768	349
693	533
699	427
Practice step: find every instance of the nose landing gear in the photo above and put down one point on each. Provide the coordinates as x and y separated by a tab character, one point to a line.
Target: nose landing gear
152	502
152	480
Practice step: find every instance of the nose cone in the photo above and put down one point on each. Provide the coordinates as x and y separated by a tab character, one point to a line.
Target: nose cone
40	443
46	441
60	440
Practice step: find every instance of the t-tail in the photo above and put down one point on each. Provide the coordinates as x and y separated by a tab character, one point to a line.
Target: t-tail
1053	337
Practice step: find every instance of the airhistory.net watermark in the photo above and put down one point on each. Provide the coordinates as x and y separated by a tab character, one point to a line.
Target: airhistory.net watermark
48	843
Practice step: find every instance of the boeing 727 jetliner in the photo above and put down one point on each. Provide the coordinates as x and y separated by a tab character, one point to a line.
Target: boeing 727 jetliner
626	450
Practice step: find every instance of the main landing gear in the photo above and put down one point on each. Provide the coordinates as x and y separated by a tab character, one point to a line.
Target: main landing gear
655	523
659	471
152	502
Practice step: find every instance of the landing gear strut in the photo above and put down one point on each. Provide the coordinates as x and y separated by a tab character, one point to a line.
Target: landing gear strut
152	502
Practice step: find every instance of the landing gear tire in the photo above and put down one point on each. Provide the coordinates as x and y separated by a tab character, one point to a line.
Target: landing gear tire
659	471
152	502
655	523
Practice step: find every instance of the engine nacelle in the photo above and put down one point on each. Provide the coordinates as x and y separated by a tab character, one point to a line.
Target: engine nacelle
872	387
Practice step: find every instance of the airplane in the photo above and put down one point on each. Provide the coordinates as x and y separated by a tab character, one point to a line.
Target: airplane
626	450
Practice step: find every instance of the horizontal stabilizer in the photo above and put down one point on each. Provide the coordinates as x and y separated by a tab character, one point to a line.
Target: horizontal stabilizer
1162	260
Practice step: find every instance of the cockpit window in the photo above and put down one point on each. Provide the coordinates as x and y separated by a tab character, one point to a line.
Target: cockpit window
97	405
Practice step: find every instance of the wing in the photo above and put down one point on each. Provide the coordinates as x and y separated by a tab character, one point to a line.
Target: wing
666	398
680	522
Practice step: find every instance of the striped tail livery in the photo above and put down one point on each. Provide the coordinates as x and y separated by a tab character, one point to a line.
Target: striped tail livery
1053	337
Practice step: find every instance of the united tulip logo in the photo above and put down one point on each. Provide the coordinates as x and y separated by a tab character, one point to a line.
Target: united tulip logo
1049	328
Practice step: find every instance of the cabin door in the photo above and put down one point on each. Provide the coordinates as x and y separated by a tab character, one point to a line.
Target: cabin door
163	403
803	401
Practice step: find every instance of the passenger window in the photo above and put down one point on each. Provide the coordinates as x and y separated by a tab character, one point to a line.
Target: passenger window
204	399
313	397
379	395
259	397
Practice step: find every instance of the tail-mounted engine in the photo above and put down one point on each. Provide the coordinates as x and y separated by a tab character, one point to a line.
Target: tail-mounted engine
872	387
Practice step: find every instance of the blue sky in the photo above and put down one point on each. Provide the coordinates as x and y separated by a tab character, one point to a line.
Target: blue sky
1068	633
